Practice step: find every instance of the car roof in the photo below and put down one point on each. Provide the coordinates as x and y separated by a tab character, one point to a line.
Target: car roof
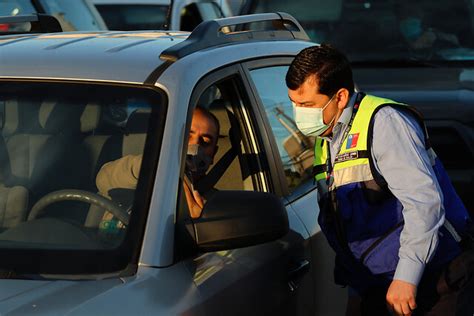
94	56
130	57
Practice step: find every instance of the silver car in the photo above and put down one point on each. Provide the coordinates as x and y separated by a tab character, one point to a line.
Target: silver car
72	102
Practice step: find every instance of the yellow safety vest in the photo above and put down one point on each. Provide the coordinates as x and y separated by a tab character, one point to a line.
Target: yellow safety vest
352	162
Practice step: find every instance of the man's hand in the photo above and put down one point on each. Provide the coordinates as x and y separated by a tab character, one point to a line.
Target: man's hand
401	297
194	200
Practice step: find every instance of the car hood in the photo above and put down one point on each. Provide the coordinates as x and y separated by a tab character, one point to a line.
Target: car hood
23	297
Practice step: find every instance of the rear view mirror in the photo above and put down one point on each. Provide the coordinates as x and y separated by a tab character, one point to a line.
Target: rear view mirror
235	219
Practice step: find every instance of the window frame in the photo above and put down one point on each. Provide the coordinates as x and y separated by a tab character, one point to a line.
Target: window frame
274	155
235	74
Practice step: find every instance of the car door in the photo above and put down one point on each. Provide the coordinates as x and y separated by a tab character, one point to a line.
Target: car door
294	157
267	279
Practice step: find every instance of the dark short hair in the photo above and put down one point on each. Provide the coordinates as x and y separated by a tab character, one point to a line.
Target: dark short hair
331	68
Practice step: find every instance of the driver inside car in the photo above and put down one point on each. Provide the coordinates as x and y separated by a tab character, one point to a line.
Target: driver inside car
202	146
416	33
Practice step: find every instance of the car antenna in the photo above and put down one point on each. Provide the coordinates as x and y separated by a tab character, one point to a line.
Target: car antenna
167	24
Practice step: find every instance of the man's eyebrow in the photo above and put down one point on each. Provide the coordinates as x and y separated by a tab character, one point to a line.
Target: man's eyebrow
304	102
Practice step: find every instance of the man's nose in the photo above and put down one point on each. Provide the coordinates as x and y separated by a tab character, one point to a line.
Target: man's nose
193	140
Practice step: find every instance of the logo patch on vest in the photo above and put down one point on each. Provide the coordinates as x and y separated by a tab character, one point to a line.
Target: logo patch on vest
347	156
352	140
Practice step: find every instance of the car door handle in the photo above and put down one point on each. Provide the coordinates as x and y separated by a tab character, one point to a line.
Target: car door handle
296	273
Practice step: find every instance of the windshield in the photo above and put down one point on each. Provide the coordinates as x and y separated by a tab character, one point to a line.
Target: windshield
56	194
381	30
129	17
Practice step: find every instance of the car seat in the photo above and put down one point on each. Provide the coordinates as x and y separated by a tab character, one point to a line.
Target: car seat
46	153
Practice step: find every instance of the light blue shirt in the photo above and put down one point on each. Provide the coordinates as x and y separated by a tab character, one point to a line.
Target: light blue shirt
399	154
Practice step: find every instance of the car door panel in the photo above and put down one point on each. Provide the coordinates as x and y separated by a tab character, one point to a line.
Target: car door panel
329	298
256	275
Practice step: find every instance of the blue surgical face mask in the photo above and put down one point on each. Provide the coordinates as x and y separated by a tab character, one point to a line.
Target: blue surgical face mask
411	28
310	121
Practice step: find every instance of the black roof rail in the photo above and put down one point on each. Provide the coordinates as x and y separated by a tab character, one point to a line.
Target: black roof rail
217	32
40	23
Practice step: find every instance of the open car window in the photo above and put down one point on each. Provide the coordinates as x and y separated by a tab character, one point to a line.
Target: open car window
71	167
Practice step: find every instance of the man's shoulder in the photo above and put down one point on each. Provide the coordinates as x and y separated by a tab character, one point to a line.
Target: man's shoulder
397	112
120	173
397	121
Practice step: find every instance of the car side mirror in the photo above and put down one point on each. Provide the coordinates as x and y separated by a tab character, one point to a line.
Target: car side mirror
236	219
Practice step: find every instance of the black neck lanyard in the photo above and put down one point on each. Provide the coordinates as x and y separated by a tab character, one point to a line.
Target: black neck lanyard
329	164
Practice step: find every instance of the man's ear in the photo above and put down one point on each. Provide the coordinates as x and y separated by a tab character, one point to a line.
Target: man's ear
343	98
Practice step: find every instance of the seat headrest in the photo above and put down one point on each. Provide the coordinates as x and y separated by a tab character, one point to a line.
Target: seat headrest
219	107
10	119
137	122
55	117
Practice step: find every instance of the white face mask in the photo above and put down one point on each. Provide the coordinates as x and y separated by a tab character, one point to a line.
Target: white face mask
310	120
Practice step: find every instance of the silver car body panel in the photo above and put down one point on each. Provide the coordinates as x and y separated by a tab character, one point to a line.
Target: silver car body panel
329	298
166	291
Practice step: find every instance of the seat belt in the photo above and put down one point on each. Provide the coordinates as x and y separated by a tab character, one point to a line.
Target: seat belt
216	173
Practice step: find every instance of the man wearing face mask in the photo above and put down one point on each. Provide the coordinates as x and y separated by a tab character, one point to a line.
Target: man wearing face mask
387	207
202	146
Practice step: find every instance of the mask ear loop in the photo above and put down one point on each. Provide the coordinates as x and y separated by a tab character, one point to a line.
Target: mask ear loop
324	107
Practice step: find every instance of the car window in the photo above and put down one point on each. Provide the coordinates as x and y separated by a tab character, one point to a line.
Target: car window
13	8
128	17
235	165
295	149
71	163
73	15
16	7
195	13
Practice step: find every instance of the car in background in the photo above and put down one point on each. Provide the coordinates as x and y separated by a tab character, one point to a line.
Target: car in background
72	15
417	52
71	102
185	15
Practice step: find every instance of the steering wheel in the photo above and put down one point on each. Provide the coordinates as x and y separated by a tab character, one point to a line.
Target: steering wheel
81	196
